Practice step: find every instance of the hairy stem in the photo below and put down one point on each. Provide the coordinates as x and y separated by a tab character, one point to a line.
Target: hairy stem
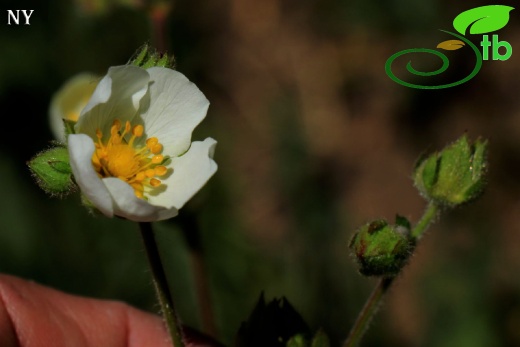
368	312
428	217
161	284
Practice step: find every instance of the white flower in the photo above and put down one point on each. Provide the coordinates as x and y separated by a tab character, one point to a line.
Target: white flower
69	100
132	154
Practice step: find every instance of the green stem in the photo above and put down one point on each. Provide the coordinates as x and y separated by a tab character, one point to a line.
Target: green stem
428	217
368	312
372	304
161	284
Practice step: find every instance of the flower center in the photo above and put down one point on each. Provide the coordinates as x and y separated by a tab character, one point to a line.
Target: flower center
118	157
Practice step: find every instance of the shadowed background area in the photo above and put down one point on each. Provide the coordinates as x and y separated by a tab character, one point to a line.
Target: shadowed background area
314	140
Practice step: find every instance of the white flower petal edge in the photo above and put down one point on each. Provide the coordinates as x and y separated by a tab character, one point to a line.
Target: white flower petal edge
117	96
128	206
176	107
81	148
191	171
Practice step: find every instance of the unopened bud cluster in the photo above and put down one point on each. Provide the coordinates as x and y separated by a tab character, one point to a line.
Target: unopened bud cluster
448	178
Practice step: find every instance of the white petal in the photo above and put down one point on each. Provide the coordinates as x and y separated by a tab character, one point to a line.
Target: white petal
176	107
117	96
128	206
190	172
81	148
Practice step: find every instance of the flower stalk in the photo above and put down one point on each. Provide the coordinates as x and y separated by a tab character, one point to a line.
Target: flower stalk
373	302
161	284
368	312
429	216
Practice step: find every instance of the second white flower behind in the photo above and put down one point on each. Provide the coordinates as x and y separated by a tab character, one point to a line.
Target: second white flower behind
132	154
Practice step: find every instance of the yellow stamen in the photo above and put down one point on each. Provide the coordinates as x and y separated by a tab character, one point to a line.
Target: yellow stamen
157	148
118	157
160	170
157	159
152	141
138	130
154	182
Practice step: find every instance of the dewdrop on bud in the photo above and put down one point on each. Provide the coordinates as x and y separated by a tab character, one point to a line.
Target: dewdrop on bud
455	175
382	249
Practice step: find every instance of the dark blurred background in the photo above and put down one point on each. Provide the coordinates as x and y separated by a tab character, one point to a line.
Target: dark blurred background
314	140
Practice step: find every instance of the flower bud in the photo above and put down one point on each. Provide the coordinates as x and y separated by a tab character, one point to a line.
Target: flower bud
68	102
382	249
455	175
52	171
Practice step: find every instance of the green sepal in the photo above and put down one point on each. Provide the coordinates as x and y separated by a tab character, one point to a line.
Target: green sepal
454	176
52	171
430	174
148	57
69	127
164	61
403	222
140	56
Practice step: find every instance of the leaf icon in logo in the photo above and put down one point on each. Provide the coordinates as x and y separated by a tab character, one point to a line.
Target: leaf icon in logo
484	19
451	45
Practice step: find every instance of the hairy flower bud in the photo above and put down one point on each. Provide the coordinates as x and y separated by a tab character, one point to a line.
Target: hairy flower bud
382	249
455	175
52	171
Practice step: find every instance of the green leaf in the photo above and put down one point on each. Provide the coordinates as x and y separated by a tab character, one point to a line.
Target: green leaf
482	20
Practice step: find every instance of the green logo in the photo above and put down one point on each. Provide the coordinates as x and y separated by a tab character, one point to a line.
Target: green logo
479	20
